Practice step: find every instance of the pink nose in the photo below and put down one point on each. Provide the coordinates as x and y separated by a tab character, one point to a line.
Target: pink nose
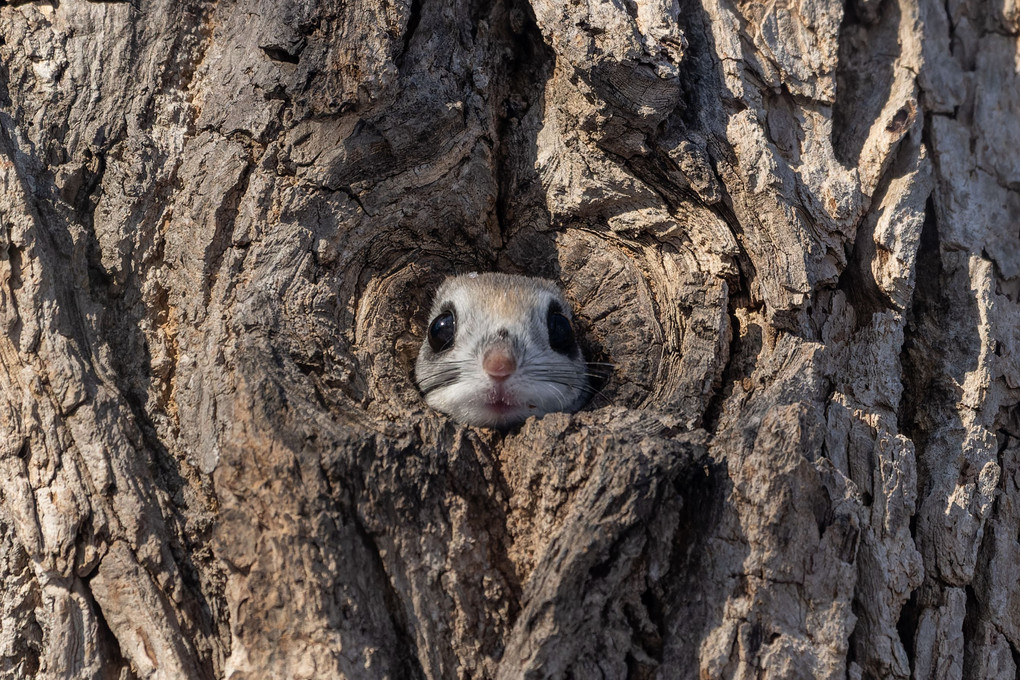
499	364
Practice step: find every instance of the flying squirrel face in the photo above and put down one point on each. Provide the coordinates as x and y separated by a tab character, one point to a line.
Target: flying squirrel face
501	348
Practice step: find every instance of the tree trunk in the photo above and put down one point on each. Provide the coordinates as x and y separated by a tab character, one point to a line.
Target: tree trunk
792	228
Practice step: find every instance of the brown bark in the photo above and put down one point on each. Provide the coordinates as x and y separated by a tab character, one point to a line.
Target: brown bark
791	227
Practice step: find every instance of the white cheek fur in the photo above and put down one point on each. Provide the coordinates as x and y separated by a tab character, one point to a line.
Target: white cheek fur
511	312
534	395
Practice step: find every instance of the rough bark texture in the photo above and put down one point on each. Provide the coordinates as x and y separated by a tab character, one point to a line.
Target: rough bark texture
792	227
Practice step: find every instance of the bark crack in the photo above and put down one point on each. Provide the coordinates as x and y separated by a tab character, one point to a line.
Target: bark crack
413	20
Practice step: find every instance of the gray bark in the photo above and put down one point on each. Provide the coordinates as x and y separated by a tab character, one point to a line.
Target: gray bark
792	227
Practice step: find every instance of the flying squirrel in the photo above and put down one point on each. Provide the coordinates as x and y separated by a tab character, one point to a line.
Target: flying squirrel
501	348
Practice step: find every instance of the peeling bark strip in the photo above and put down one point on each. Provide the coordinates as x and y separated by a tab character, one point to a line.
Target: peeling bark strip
791	227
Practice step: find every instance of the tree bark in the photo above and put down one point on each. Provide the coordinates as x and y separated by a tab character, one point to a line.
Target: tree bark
791	227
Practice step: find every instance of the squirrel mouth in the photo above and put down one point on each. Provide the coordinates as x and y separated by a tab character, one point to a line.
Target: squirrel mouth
500	402
501	407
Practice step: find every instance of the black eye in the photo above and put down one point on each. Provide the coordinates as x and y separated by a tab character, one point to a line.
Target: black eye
442	331
561	334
